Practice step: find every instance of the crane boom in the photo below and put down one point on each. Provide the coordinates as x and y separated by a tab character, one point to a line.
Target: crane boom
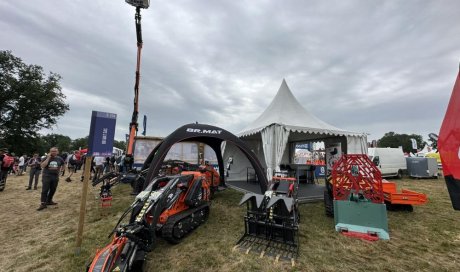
133	126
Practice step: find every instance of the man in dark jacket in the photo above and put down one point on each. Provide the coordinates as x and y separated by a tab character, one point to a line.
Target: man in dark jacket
51	168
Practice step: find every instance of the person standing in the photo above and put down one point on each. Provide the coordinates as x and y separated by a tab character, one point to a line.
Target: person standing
15	169
64	159
72	165
99	167
122	163
35	171
112	164
6	163
50	178
21	165
78	160
107	165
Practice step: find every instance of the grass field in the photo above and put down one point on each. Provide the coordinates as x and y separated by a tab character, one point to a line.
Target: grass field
427	239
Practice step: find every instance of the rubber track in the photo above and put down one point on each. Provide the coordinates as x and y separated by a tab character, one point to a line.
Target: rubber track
168	228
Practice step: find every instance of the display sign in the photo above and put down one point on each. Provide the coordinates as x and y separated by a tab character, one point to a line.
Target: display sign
101	133
302	153
302	146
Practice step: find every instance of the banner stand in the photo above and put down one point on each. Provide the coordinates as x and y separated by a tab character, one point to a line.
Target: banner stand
100	143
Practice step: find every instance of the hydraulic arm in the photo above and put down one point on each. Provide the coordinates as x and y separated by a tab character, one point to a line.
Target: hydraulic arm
133	126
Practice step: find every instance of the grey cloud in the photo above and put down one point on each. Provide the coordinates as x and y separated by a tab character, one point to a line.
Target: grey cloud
360	65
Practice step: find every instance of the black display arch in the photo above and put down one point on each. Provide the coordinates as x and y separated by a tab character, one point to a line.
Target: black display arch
207	134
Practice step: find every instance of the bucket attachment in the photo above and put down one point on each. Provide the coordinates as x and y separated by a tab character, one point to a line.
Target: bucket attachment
271	223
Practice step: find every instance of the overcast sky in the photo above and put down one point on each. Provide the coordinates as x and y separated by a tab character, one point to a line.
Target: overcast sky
364	66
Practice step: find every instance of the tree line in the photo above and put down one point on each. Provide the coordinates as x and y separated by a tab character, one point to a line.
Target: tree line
42	143
64	143
31	100
395	140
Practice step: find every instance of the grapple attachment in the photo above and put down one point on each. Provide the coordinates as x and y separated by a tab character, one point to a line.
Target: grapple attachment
255	200
272	221
288	203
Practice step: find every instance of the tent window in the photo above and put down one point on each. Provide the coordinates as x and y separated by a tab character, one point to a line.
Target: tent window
142	149
185	151
210	155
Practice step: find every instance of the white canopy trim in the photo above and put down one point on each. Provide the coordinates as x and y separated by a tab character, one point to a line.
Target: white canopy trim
319	131
275	139
357	145
282	136
268	144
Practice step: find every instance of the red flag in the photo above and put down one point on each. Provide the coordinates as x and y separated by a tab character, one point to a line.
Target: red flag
449	145
449	136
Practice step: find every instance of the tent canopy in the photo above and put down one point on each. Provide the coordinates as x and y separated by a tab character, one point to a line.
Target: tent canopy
285	110
286	120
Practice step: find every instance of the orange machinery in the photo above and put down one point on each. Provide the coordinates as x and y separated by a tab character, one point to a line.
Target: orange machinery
404	197
170	207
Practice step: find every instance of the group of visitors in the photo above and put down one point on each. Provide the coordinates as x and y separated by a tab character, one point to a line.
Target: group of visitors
53	165
19	164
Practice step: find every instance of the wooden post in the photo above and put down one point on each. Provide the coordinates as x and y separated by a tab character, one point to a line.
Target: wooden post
84	192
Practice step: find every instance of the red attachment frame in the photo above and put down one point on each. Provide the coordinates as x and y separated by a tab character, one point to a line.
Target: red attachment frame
106	201
292	180
364	236
355	173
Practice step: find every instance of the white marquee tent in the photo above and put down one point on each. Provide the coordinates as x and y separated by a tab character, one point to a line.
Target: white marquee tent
285	121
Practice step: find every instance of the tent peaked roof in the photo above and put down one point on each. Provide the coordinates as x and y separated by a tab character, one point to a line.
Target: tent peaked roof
285	110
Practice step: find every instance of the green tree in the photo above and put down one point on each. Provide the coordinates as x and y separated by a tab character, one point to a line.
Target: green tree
31	100
120	144
83	143
392	139
30	146
79	143
37	145
63	143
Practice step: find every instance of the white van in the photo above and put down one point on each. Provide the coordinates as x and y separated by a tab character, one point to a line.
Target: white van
390	161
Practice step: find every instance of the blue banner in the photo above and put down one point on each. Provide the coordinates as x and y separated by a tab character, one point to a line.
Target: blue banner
101	133
320	171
